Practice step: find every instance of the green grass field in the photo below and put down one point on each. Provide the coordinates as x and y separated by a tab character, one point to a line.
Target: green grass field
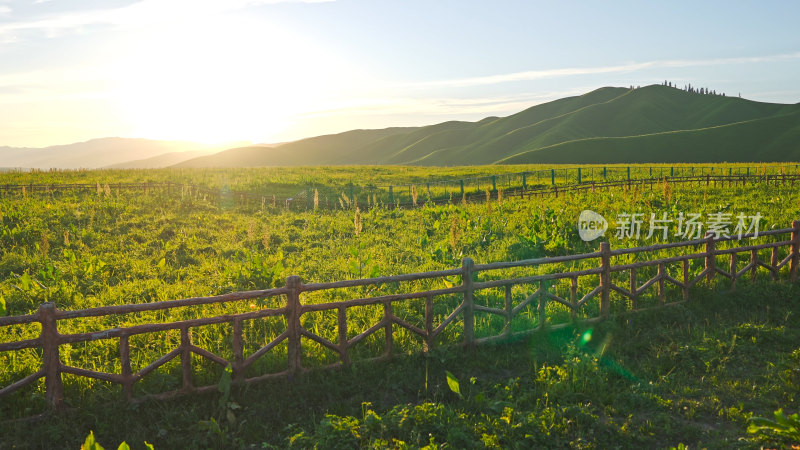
688	374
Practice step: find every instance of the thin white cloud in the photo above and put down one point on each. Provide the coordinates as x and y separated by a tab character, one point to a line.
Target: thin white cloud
478	107
4	10
139	13
573	71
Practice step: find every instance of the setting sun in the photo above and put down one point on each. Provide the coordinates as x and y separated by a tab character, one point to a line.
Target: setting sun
216	81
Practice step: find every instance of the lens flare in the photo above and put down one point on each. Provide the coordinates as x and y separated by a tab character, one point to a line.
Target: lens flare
586	337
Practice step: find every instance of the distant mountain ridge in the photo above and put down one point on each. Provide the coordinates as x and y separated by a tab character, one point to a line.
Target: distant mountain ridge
608	125
649	124
103	152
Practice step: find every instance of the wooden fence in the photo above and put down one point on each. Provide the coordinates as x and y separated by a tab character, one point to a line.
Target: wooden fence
304	199
602	279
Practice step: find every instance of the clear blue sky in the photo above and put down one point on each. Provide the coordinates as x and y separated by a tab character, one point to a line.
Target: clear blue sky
269	71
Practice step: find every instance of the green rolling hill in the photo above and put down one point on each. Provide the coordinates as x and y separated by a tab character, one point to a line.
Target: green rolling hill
609	125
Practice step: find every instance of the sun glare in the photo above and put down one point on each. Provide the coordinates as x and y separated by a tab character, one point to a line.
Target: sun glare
218	81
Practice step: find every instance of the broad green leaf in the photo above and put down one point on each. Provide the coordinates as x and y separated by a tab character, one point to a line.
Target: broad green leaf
123	446
452	383
25	282
90	443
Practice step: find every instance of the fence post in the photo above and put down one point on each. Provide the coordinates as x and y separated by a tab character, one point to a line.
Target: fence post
462	188
605	279
388	320
391	195
51	361
494	183
126	372
344	354
605	173
186	359
710	260
238	352
795	250
467	266
672	171
524	181
553	177
579	175
293	284
629	173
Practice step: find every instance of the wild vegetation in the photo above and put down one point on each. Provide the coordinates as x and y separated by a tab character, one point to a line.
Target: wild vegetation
689	374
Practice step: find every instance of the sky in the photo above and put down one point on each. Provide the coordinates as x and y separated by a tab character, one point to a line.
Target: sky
270	71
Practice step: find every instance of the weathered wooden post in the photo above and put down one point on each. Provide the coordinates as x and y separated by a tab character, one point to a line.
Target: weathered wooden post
494	183
344	353
634	286
127	373
773	261
795	250
541	308
524	181
573	297
51	361
605	279
553	177
711	263
388	332
461	182
579	175
186	359
238	352
467	266
428	323
293	285
509	310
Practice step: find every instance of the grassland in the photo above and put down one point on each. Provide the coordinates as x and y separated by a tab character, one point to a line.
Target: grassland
690	374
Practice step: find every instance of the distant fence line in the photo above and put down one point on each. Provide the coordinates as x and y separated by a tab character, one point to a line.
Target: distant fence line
346	197
628	290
